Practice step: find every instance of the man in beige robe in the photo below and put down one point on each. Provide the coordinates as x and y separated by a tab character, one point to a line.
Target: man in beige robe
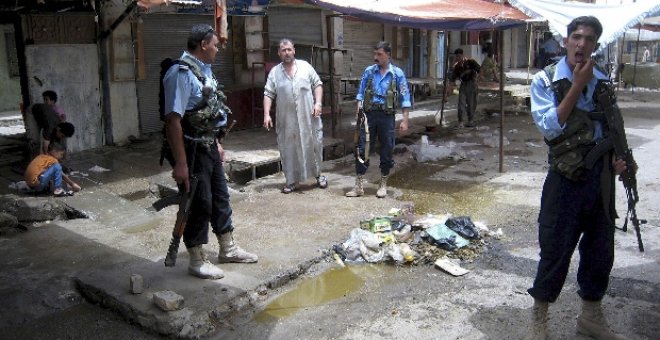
297	90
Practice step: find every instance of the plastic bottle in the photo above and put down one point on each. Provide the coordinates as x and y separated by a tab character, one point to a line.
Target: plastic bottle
409	255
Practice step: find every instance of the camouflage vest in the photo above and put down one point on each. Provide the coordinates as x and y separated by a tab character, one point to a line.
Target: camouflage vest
207	120
391	98
568	151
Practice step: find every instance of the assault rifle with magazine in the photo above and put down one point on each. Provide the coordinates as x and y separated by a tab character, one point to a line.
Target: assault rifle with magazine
606	103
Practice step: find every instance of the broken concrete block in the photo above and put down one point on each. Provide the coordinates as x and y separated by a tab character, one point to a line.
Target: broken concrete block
33	209
137	284
8	221
168	300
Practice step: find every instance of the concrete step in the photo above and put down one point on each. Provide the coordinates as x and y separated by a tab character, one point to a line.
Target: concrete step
112	211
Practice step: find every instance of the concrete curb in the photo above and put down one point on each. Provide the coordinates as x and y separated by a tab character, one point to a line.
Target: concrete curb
200	317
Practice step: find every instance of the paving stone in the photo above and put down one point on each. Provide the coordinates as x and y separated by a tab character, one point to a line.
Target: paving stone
168	300
137	284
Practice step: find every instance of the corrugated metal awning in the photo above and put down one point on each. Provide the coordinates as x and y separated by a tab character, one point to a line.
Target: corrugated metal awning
463	15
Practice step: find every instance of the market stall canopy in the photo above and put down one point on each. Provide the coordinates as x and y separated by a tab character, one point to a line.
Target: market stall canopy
234	7
650	24
616	19
642	35
459	15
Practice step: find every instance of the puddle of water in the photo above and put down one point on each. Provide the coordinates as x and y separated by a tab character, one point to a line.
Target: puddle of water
437	196
331	285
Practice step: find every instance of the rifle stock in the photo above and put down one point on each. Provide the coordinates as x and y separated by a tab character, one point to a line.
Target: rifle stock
607	103
185	199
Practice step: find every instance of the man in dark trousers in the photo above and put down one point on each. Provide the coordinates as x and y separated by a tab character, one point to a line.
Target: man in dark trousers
383	89
467	70
577	208
195	121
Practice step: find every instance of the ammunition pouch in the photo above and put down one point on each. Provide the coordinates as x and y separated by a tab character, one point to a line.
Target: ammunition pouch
568	152
391	98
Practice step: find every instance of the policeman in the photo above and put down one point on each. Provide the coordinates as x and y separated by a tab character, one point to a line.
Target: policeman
577	207
383	87
194	124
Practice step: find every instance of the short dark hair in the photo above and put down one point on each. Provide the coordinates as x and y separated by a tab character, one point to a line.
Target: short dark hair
590	21
199	33
384	45
458	51
55	146
50	95
66	129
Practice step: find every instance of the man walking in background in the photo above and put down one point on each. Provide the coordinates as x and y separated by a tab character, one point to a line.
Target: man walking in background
467	70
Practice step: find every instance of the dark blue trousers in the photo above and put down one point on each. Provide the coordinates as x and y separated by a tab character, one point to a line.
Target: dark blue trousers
571	213
381	127
211	201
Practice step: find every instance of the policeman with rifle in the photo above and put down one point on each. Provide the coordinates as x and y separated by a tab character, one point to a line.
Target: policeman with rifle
383	89
573	106
195	122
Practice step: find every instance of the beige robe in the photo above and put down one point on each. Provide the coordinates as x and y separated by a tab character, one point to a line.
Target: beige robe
299	134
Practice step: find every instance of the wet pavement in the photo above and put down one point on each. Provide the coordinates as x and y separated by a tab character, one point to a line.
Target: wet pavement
292	234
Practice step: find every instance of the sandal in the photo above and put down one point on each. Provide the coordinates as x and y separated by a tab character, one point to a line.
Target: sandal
62	193
322	182
289	188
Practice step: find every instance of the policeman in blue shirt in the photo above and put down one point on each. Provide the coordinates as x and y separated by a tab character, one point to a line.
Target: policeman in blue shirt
577	207
194	122
382	90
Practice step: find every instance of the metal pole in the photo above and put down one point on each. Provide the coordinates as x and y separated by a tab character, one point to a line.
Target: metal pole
106	111
529	52
500	54
444	81
639	31
619	69
331	64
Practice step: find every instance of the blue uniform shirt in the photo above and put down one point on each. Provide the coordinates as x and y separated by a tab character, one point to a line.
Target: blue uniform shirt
182	88
544	105
380	85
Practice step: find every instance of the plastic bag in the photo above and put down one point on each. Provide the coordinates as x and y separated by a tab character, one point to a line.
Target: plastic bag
446	238
463	226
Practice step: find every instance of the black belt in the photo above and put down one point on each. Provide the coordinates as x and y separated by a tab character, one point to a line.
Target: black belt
377	107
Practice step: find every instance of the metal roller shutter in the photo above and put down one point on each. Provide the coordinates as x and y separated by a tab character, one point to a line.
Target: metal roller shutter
165	36
302	25
360	38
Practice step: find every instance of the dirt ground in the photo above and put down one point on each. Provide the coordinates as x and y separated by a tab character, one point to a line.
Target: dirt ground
491	302
385	301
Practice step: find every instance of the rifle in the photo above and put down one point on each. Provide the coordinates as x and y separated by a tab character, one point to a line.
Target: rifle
183	199
606	102
361	121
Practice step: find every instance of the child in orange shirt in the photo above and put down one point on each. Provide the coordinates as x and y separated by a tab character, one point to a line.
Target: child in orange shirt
45	172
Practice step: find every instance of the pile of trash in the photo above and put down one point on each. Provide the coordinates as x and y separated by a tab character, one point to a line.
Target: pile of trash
404	238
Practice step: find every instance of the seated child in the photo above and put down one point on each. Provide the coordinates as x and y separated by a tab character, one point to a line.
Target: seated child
45	172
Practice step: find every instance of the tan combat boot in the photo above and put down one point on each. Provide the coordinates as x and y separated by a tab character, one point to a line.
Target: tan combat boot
591	322
230	252
357	190
200	266
382	188
538	328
